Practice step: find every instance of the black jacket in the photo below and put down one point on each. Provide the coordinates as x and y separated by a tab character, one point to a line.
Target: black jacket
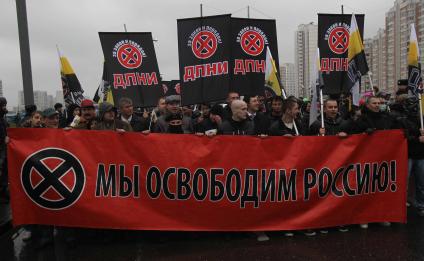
232	127
370	121
227	113
205	125
3	133
273	118
138	123
278	128
332	126
261	123
411	126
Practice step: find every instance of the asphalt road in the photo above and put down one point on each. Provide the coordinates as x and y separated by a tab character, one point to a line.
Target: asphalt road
397	242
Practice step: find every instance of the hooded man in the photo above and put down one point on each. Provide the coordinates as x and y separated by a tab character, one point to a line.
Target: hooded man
108	120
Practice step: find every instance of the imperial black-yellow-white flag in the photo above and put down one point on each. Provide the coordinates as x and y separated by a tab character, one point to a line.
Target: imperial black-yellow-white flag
104	91
357	61
72	91
272	84
414	67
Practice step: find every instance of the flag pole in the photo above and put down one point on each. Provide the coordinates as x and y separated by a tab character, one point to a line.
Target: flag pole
372	85
421	110
322	108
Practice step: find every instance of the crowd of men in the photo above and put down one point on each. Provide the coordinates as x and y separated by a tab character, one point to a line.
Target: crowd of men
251	115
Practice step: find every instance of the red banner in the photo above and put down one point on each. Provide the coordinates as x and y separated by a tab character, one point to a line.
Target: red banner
225	183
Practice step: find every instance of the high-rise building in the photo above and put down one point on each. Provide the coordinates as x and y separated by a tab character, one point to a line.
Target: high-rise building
398	21
378	67
40	99
21	101
306	38
365	80
288	79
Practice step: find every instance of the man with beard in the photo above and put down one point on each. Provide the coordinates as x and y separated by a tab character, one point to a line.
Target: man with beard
88	115
333	122
108	120
173	103
239	124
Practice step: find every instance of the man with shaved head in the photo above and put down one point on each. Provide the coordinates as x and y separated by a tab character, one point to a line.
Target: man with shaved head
238	124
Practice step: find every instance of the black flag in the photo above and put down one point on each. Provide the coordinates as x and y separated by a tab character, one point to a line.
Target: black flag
333	41
132	67
204	55
250	37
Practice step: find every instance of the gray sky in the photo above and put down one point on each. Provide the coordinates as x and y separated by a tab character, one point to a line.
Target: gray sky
74	26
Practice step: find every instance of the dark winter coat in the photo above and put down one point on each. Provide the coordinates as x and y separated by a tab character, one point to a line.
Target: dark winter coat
232	127
332	126
278	128
370	121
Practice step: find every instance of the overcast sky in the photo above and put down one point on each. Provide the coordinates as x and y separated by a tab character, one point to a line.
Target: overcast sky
74	26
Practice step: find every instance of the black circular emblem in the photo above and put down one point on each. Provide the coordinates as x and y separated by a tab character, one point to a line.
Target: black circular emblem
68	170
